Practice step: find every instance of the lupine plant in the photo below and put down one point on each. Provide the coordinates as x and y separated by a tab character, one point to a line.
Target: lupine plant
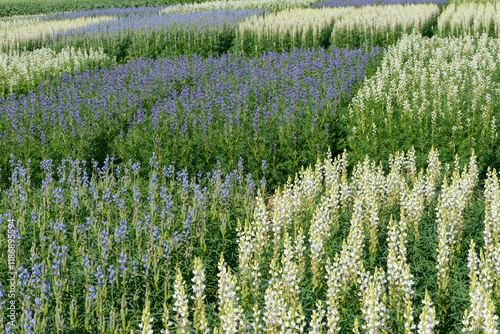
27	7
19	32
383	25
288	29
481	315
271	5
470	19
362	3
22	72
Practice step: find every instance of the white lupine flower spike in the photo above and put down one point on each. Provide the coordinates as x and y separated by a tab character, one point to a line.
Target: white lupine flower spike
427	317
181	303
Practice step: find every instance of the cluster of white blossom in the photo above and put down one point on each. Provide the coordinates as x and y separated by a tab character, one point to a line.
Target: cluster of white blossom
27	69
399	276
373	301
296	23
481	316
453	200
470	18
492	228
232	318
427	317
200	321
273	5
13	33
181	303
147	320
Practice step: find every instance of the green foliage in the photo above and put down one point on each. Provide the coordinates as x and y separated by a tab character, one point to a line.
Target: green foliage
286	143
32	7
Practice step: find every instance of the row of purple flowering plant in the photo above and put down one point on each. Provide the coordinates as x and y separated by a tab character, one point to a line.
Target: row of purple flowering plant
284	108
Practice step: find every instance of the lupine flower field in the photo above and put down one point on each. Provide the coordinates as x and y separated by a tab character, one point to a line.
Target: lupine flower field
249	166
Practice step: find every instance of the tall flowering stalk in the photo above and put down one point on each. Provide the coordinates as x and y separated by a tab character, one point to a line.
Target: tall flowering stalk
399	277
317	319
232	318
352	249
434	167
181	304
334	294
452	202
274	302
284	208
291	279
372	209
481	315
282	307
370	186
427	317
395	182
320	230
147	320
373	301
200	321
245	248
253	241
